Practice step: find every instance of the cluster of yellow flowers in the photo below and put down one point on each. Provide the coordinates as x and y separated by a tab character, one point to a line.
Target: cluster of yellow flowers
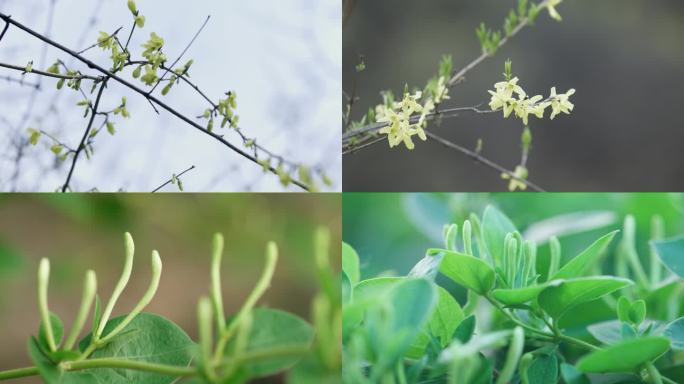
523	106
408	117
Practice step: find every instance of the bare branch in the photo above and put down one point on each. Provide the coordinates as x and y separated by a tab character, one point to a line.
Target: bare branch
169	181
482	160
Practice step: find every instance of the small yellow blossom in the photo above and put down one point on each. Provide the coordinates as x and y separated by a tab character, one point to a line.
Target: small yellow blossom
551	7
516	182
561	102
398	118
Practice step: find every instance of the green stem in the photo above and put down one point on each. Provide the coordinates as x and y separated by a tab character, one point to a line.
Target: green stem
162	369
266	354
261	286
216	298
653	374
557	336
17	373
110	362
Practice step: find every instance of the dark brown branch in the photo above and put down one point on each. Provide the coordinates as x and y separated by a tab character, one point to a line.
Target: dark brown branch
48	74
4	30
169	181
82	145
143	93
482	160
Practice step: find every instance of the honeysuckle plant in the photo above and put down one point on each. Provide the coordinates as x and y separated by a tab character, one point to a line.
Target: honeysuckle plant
149	68
514	324
399	120
142	347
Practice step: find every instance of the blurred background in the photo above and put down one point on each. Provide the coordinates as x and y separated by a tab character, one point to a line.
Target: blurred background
281	57
624	58
80	232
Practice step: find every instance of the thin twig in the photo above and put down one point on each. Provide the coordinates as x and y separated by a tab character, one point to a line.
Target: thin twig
181	54
82	145
482	160
84	50
448	112
20	81
456	78
4	30
48	74
169	181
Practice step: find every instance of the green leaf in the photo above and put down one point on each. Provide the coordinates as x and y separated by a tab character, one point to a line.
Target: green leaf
670	253
626	356
468	271
273	329
562	295
572	375
465	329
57	331
346	289
587	258
365	294
517	296
445	318
350	263
149	338
495	227
610	332
50	371
396	321
543	370
675	332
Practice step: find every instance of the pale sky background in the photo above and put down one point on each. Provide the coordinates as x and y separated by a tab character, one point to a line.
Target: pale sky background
282	57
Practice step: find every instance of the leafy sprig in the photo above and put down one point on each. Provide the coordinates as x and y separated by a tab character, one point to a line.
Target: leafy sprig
143	347
409	329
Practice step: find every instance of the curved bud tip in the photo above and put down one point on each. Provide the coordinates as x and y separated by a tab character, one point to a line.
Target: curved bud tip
129	245
44	269
271	252
90	282
217	244
156	263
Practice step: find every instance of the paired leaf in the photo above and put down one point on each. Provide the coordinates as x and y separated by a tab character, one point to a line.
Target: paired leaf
543	370
517	296
675	332
446	316
350	263
587	258
468	271
626	356
50	371
610	332
149	338
561	296
273	329
671	253
495	227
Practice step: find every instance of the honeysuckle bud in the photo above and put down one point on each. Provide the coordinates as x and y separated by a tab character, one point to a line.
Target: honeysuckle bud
43	279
